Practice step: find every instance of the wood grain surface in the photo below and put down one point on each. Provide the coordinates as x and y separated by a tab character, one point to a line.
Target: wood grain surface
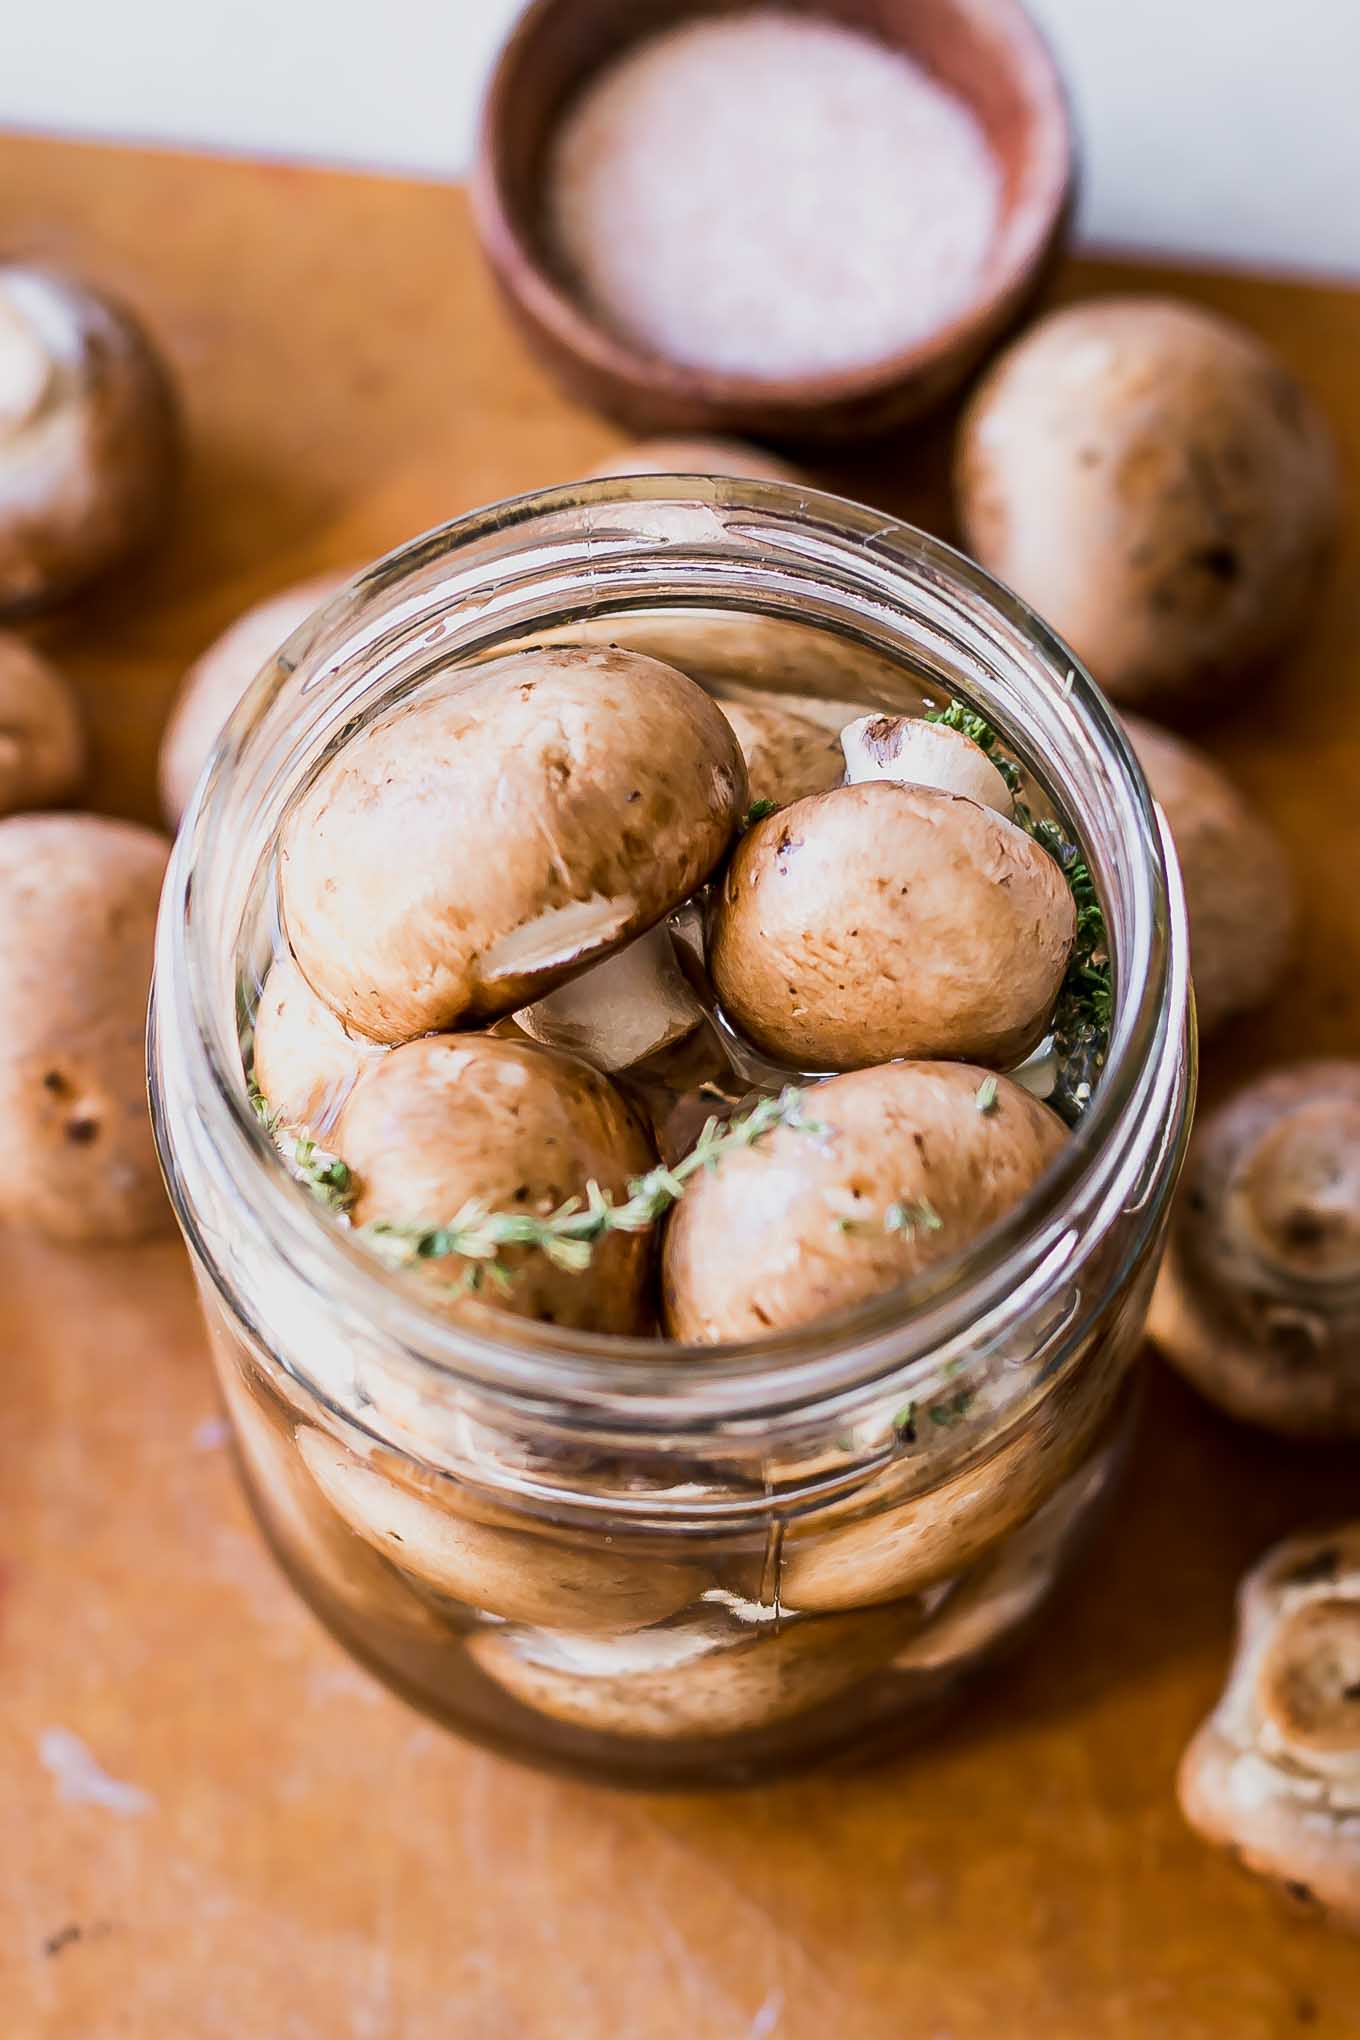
300	1857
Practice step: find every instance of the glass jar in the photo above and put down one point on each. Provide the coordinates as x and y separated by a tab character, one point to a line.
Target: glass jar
644	1561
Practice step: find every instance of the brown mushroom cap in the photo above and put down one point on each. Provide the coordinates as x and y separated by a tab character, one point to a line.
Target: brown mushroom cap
604	1587
886	920
305	1063
464	855
697	457
88	437
1258	1301
219	677
698	1680
78	900
459	1119
1239	890
1274	1774
787	756
1155	483
783	1232
42	736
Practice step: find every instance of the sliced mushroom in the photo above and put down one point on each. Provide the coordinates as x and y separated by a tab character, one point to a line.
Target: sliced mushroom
42	735
896	1168
886	920
623	1011
915	752
88	435
703	1679
305	1061
599	1587
1239	891
1274	1773
466	855
1258	1302
219	677
787	756
471	1122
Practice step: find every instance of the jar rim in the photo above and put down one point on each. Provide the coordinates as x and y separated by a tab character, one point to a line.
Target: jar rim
904	1334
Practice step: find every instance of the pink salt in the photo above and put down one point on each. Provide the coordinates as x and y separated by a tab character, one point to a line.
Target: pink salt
772	195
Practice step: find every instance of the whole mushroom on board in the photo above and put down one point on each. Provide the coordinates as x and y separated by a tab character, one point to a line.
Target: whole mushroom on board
219	677
1239	890
1273	1775
78	901
1156	484
42	735
735	457
88	437
453	1124
891	1169
469	853
1258	1301
886	920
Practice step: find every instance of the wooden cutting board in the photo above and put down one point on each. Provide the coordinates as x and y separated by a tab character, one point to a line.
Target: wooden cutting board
299	1857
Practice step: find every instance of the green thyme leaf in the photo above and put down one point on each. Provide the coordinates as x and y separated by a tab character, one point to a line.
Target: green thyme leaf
757	812
987	1096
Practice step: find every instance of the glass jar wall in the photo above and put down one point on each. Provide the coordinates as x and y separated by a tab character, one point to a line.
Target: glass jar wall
631	1558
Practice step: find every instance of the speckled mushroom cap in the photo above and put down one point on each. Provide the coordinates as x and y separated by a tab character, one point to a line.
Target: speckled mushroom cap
884	920
1155	483
457	1120
787	756
88	438
78	901
469	852
1239	889
1274	1773
896	1168
1258	1301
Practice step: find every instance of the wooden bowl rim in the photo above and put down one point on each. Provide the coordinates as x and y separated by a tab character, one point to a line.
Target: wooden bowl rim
1017	254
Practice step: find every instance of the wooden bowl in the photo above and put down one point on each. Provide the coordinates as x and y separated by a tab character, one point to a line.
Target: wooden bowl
986	51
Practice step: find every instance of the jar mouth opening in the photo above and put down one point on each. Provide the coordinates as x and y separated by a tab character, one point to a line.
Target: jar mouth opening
887	570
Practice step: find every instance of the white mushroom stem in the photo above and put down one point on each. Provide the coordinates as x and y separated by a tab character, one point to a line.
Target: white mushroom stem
623	1010
919	753
25	369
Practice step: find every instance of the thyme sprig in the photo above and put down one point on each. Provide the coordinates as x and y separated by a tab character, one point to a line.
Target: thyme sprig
569	1236
757	812
909	1217
325	1175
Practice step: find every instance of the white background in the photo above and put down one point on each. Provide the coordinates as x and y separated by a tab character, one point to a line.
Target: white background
1219	128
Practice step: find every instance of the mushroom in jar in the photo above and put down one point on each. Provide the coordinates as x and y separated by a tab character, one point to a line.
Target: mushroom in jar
918	752
467	854
88	436
78	900
701	1679
219	677
1258	1301
1239	891
788	756
454	1123
1274	1774
634	1006
736	457
488	1559
887	1171
886	920
305	1063
42	737
1155	483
